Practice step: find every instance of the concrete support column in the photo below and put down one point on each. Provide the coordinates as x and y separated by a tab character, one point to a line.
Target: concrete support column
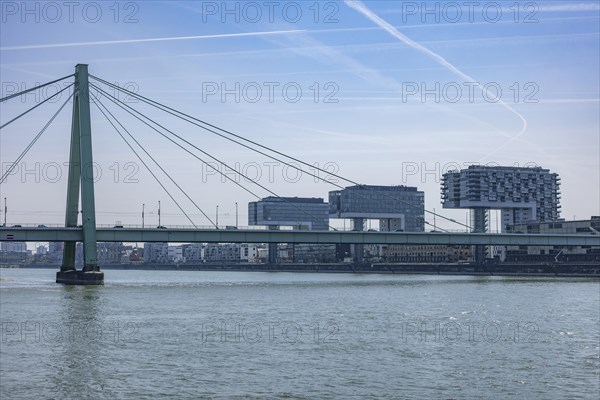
273	248
479	223
358	250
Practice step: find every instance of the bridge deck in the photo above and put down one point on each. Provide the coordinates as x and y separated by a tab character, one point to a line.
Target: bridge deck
263	236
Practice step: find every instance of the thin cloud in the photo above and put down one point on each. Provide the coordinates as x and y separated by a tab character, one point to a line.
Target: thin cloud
569	101
575	7
305	45
490	41
147	40
360	7
564	7
451	24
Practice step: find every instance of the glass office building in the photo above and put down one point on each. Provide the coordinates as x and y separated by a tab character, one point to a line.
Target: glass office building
300	212
396	207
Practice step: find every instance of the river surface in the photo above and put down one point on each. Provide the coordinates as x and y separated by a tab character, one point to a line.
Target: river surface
223	335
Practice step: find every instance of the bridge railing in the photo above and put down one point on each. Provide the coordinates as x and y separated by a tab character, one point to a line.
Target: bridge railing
135	226
247	228
210	227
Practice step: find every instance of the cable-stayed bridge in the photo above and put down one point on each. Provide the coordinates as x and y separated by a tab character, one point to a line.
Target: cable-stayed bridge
81	185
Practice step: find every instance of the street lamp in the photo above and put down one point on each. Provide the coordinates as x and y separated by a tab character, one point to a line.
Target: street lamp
236	214
143	207
159	214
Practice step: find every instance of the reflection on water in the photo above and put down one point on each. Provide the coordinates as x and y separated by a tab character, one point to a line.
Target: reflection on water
164	334
76	357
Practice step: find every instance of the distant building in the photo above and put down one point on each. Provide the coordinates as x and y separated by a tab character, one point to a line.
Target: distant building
396	207
41	250
222	252
156	252
110	253
133	255
175	254
522	194
262	253
427	253
55	252
13	247
299	212
586	226
193	252
107	252
307	253
198	253
555	253
249	252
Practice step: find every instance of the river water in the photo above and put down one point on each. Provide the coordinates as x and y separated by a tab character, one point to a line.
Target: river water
222	335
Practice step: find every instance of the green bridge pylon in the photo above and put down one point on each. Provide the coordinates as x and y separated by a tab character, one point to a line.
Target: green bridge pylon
81	175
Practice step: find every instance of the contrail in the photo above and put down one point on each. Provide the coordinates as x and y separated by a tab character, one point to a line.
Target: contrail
163	39
570	7
360	7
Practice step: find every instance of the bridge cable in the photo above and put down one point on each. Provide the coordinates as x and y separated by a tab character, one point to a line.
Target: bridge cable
33	88
141	160
173	112
30	145
436	227
187	118
34	107
123	105
166	109
156	162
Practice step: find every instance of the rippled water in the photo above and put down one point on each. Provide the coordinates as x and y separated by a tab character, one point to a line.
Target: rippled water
164	334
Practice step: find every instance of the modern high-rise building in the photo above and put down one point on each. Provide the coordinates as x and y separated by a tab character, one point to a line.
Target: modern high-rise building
398	208
522	194
300	212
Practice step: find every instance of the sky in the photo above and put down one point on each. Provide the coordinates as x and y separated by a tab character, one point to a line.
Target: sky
379	92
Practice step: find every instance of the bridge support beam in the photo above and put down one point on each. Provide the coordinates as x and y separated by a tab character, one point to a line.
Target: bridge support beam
358	250
479	218
81	175
273	249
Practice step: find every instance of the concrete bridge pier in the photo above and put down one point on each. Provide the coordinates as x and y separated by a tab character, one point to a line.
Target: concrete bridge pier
75	277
